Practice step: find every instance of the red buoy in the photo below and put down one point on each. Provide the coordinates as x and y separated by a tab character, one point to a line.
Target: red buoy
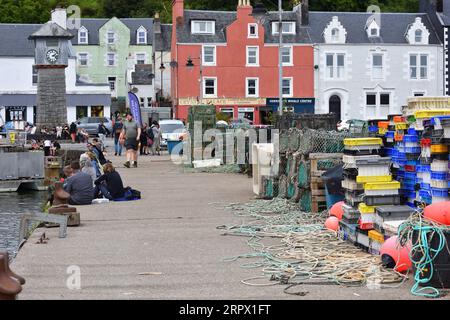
337	211
438	212
332	223
400	255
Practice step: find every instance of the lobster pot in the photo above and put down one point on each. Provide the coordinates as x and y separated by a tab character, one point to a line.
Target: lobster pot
284	141
297	195
305	201
282	187
304	174
291	187
294	137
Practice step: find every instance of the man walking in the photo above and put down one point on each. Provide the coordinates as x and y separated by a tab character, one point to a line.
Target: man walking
117	130
131	134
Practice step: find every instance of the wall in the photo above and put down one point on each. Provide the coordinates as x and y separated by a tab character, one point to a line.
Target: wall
352	88
167	81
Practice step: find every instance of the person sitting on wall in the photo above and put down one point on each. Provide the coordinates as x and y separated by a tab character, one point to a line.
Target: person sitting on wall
79	186
110	184
92	147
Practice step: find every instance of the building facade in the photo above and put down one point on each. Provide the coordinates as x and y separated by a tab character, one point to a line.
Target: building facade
18	90
228	60
368	66
108	51
439	13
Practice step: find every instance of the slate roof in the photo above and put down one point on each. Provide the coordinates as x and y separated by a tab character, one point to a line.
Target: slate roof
93	26
393	27
163	41
14	39
445	19
51	29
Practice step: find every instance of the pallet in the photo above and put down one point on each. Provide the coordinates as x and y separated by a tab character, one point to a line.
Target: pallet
318	199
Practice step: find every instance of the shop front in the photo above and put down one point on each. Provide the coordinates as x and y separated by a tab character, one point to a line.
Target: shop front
293	105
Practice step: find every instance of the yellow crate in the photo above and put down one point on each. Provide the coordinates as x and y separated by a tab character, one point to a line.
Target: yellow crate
382	185
431	113
382	130
368	179
439	148
363	208
401	126
363	141
375	235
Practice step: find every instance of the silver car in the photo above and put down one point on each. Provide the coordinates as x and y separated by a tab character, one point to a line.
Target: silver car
90	124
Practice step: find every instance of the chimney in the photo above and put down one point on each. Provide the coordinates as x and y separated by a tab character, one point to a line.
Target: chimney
305	12
59	16
244	9
157	24
178	12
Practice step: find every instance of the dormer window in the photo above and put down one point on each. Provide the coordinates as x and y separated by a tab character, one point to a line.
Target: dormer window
335	32
417	33
418	36
203	27
83	37
335	35
141	36
287	27
372	28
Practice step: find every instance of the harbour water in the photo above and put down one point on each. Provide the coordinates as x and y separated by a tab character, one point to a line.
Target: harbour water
12	207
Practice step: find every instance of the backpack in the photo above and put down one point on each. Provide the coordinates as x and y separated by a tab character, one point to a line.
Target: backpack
132	194
150	134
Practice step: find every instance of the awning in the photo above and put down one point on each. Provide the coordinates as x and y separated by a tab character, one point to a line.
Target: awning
13	100
10	100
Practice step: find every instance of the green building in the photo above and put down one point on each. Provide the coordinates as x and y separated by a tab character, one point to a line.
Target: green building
108	51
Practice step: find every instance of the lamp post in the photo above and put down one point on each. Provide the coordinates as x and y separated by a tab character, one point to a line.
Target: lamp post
190	65
161	68
260	14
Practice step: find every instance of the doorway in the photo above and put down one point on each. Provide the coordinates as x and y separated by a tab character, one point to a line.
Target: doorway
335	106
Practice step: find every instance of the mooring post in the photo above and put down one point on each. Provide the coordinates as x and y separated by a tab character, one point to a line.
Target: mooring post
10	283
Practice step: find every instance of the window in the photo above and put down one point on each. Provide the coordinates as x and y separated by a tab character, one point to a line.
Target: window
418	36
287	87
111	59
111	37
385	99
418	66
252	56
378	105
287	27
374	32
140	58
229	112
203	27
419	94
253	30
252	87
112	83
142	102
335	35
83	36
209	55
377	66
141	36
52	43
286	55
210	87
371	99
335	65
35	75
83	59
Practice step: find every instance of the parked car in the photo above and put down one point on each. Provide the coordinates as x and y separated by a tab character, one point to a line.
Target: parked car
90	124
171	130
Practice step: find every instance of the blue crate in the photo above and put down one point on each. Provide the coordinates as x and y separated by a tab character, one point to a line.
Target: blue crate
437	192
390	134
423	168
388	152
410	186
410	138
425	186
373	129
412	131
441	176
433	121
410	176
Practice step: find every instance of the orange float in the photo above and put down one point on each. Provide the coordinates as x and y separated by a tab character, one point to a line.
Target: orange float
438	212
337	211
332	223
398	255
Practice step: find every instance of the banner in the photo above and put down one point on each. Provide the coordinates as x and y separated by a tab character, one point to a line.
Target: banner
135	108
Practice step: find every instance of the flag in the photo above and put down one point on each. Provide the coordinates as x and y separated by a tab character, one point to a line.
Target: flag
135	108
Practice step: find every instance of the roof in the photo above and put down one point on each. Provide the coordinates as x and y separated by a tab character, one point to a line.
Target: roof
445	19
51	29
14	39
94	25
163	40
393	27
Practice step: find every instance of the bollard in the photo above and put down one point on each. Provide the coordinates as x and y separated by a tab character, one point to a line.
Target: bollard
10	283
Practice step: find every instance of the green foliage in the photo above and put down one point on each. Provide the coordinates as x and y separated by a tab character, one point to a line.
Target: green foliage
38	11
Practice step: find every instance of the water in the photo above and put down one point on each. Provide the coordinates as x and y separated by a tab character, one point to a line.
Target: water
12	207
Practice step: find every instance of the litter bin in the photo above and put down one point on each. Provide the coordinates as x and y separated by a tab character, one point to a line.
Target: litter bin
172	144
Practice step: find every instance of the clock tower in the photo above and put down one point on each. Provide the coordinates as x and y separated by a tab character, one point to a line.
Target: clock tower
52	52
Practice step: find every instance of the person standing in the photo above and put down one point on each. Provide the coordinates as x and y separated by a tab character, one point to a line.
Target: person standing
144	141
73	131
47	147
117	130
131	134
156	147
59	130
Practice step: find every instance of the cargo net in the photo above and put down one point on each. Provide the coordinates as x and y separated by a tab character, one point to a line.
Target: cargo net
312	141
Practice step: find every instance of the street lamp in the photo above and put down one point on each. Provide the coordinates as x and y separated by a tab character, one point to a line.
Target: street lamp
190	65
260	14
162	68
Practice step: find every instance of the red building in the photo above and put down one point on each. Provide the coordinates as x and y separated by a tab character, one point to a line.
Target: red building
237	61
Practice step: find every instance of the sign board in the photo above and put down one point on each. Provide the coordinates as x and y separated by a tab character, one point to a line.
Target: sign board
223	102
296	105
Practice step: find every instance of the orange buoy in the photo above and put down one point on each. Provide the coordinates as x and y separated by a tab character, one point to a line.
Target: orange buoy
396	256
337	211
332	223
438	212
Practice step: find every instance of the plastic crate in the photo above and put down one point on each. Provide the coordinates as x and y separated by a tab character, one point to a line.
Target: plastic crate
382	185
425	186
363	141
376	236
431	113
367	218
439	148
423	168
439	184
366	179
440	165
347	232
437	192
401	126
382	200
439	176
363	208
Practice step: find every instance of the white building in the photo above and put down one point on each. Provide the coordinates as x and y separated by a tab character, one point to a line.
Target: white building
368	66
18	79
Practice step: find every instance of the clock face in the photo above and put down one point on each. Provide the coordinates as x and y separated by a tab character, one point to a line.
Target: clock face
52	55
